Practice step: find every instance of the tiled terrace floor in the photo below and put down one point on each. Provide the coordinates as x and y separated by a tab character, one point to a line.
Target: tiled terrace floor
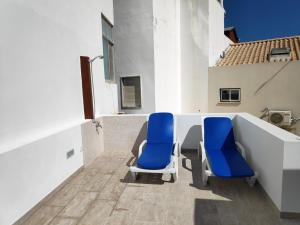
103	193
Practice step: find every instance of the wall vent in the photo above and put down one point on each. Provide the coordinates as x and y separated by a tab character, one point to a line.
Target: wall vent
280	55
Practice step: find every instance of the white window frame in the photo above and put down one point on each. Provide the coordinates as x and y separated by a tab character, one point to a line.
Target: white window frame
229	90
111	77
121	93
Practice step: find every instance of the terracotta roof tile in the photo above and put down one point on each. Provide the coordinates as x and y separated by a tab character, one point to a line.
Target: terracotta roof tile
257	51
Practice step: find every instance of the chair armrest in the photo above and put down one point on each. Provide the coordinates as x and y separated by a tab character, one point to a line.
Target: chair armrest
241	149
176	149
141	147
203	154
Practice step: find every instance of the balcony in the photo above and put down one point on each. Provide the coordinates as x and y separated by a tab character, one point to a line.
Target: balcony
104	193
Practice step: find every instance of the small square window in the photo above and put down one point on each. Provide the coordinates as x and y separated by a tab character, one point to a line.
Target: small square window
131	92
230	94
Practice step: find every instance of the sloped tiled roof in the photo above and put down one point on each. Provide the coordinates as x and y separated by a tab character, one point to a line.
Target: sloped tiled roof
257	51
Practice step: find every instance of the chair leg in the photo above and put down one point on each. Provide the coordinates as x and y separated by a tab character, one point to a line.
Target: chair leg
204	174
133	175
204	178
175	176
252	180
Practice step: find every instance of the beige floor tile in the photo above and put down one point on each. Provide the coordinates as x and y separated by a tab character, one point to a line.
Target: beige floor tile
120	217
104	193
79	205
97	183
113	189
98	213
85	176
153	208
146	223
64	221
43	215
63	196
179	218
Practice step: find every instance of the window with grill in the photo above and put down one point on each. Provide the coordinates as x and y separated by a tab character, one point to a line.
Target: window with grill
131	92
108	49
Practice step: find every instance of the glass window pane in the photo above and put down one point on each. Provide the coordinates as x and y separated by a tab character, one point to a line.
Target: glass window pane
106	30
235	95
131	92
225	95
111	61
106	59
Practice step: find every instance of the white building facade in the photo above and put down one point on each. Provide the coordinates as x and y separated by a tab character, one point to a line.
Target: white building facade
169	45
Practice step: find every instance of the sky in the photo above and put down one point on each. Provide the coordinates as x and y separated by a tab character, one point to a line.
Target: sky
263	19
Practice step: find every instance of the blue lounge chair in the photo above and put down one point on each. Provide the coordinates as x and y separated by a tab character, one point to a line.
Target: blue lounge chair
222	156
159	153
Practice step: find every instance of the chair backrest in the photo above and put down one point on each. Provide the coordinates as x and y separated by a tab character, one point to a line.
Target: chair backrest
160	128
218	133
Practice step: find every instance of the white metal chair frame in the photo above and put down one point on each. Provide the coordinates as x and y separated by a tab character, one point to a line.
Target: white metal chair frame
171	168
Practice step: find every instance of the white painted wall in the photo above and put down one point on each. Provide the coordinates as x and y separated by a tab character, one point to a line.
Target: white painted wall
40	80
134	47
188	128
167	55
31	172
291	174
41	95
194	35
274	153
218	42
166	42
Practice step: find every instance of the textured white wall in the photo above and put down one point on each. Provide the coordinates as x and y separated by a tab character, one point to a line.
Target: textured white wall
29	173
134	47
167	55
265	155
40	81
194	34
273	153
41	95
218	42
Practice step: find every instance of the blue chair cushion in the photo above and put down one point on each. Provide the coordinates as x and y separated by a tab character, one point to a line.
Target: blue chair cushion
228	163
155	156
224	158
160	128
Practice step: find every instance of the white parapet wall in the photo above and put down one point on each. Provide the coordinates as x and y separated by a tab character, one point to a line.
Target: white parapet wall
30	172
275	154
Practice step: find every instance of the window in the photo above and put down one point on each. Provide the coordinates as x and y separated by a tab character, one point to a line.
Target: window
131	92
230	94
108	49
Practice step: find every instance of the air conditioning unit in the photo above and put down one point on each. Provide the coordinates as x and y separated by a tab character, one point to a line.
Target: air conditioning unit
280	118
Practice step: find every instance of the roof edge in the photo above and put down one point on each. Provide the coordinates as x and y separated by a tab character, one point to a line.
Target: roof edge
265	40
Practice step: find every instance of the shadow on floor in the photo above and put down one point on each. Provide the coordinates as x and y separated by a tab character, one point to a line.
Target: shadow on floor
140	138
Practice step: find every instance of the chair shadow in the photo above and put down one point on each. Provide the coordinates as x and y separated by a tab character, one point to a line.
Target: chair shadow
140	138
